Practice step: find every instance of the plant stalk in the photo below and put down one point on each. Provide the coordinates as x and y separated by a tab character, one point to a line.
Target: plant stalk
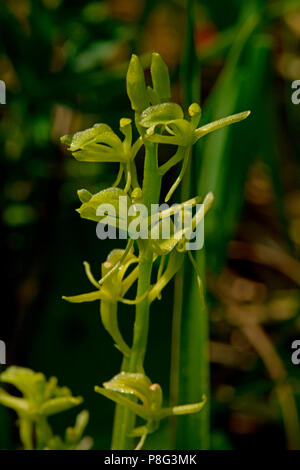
124	419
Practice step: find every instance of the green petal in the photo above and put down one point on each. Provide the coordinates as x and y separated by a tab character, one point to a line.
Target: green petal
183	131
88	210
96	144
90	297
56	405
109	319
160	77
124	401
133	384
20	405
182	409
180	133
99	133
31	384
215	125
161	114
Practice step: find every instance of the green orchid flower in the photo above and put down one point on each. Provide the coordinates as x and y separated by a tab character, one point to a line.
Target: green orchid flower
165	124
41	398
115	197
177	238
100	144
148	403
175	248
111	289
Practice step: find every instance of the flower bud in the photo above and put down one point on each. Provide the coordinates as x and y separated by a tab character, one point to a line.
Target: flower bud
136	86
160	78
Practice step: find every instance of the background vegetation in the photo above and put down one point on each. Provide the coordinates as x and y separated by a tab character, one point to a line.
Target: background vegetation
64	65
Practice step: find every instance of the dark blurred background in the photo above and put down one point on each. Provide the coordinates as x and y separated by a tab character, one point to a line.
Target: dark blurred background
64	64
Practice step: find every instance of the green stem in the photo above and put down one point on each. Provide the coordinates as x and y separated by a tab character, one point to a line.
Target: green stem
119	438
26	433
151	193
141	325
124	419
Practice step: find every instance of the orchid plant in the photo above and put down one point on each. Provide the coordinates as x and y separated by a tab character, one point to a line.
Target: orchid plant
158	122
